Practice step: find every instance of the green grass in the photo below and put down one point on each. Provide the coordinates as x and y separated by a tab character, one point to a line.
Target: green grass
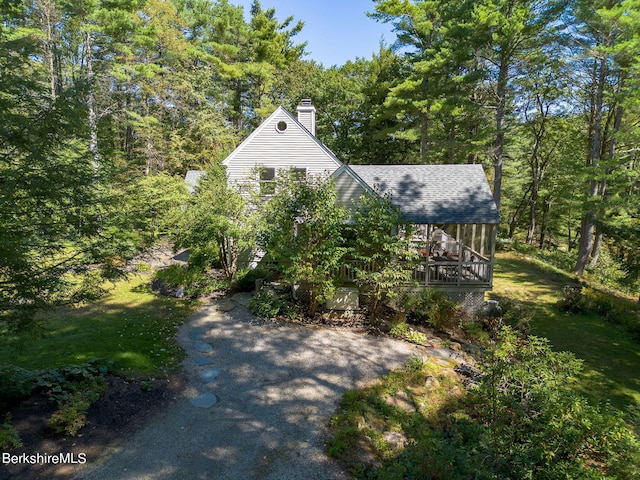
131	329
611	357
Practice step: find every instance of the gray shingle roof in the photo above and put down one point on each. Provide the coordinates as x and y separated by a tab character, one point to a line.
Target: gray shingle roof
434	193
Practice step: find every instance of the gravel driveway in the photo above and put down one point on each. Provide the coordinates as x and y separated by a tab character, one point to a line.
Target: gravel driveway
274	387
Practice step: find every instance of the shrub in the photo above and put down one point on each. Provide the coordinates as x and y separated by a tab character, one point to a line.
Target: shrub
15	384
401	329
71	416
431	307
245	280
267	304
613	310
195	280
515	314
572	300
9	436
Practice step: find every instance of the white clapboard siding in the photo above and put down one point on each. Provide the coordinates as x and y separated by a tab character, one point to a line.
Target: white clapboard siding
348	189
269	147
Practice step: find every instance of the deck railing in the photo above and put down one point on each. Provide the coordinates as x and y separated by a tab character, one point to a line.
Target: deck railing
466	267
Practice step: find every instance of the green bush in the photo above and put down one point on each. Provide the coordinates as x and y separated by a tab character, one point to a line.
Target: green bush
245	280
267	304
515	314
15	384
613	309
520	421
194	280
71	416
572	300
431	307
9	437
401	329
74	388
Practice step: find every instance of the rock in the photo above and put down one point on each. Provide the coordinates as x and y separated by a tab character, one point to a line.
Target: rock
205	400
198	332
442	353
180	292
202	361
226	305
209	375
402	401
395	440
431	382
202	347
242	298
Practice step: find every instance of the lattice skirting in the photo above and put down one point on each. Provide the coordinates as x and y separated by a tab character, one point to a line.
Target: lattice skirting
471	301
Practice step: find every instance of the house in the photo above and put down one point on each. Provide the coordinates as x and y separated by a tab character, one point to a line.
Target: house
456	218
452	205
281	142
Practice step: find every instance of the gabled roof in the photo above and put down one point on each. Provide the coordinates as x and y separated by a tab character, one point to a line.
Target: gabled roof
433	193
266	124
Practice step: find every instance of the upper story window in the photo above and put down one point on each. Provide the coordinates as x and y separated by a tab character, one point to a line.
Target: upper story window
299	173
281	126
267	181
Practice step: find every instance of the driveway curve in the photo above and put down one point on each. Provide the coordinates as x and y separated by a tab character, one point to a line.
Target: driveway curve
258	400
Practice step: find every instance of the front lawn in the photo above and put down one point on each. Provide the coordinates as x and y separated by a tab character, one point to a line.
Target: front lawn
611	356
131	330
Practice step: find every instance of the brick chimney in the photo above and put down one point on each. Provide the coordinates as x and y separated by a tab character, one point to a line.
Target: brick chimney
307	115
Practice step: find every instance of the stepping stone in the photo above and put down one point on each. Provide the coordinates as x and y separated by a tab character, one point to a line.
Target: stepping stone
197	333
226	305
203	361
242	298
202	347
205	400
442	353
209	375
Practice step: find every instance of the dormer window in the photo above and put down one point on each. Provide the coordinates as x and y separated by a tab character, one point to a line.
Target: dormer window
267	181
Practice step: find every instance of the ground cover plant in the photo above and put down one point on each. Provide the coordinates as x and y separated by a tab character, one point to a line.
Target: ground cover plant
519	422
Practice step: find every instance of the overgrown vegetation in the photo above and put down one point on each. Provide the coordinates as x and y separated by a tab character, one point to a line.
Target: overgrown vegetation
192	279
521	421
432	308
302	229
268	304
381	248
577	298
73	388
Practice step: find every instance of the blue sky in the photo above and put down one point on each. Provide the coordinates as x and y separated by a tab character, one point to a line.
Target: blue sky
336	30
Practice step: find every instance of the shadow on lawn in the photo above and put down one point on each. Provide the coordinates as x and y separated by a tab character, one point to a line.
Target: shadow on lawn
611	357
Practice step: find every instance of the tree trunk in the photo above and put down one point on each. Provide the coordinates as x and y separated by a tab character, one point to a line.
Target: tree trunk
595	251
587	226
501	107
545	223
424	137
531	233
91	105
47	12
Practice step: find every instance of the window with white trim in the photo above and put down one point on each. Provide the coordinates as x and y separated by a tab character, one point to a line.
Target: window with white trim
267	180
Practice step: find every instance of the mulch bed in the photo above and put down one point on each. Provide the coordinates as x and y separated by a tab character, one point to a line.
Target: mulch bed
126	406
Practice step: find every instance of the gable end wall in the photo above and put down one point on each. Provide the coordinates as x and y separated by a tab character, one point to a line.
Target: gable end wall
270	148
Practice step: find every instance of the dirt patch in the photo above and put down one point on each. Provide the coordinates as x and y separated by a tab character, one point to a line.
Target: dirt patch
126	406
